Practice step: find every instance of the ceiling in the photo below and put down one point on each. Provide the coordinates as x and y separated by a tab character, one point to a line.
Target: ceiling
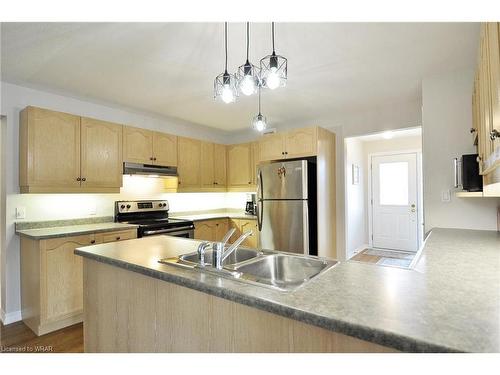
168	68
404	133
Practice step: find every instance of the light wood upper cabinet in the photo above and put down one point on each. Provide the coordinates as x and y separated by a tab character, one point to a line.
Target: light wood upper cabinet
188	158
164	149
63	153
255	161
494	62
101	150
292	144
220	165
301	142
207	165
239	170
272	147
137	145
149	147
49	150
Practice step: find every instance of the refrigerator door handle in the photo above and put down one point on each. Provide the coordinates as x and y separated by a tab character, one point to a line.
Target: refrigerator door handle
259	200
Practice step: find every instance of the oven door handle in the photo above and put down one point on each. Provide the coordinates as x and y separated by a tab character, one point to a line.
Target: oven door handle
172	230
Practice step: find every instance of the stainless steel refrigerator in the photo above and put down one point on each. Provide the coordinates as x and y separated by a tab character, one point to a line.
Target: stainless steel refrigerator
286	206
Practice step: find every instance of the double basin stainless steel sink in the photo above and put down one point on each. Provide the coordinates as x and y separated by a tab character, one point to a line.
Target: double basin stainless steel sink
276	270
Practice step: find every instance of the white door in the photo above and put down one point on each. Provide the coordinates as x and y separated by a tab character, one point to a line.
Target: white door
394	202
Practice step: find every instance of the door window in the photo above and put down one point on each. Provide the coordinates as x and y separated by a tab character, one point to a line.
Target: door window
393	180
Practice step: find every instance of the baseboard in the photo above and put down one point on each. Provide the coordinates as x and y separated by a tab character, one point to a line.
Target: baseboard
11	317
357	250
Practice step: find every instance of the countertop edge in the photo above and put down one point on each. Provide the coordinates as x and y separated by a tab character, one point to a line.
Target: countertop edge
74	233
377	336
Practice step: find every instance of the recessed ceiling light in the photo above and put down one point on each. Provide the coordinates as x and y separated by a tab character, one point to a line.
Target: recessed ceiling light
388	134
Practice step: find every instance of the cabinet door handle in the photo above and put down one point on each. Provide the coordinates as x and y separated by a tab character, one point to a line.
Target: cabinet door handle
151	158
472	130
84	179
78	179
118	238
92	241
154	159
494	134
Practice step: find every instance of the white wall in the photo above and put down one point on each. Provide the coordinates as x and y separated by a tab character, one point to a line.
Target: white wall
446	120
57	206
356	229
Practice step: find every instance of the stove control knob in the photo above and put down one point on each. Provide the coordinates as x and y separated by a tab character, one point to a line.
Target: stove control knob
122	206
128	206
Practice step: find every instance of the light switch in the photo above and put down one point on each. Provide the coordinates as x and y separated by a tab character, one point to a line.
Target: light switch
20	212
445	196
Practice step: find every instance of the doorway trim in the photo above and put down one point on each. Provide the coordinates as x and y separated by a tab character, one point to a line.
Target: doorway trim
3	218
420	222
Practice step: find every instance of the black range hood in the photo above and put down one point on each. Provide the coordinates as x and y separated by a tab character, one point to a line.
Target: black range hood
149	170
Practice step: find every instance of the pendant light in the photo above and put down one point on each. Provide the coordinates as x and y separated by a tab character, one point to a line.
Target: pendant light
259	122
273	69
248	74
225	83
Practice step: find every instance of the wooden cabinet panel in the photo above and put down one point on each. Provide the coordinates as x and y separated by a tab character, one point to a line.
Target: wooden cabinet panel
49	149
234	223
189	156
101	153
220	164
221	228
137	145
204	230
494	62
301	142
52	279
272	147
207	165
165	149
255	162
239	159
245	226
62	277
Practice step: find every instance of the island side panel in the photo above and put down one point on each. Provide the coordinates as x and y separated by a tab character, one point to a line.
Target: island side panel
129	312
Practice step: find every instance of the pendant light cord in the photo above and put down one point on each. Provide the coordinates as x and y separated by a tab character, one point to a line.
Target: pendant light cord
248	37
259	99
272	25
225	42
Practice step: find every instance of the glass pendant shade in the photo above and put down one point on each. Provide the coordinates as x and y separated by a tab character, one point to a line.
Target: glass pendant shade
273	71
248	78
259	123
225	87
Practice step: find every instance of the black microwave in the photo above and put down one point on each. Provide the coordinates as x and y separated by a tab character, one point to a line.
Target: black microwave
467	173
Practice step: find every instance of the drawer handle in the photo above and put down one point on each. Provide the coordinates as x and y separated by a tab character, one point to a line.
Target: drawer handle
118	238
92	241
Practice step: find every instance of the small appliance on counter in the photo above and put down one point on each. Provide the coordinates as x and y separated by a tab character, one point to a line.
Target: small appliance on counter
251	204
152	219
466	174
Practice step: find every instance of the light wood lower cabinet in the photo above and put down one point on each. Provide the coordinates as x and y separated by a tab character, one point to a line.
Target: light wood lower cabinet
52	279
210	230
242	226
129	312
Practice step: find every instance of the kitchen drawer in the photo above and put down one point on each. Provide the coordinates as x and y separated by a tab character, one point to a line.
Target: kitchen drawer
118	236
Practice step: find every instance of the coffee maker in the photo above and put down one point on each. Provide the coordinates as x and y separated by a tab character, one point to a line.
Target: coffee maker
251	205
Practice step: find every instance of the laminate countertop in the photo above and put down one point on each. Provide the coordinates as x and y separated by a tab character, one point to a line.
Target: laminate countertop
449	301
73	230
201	216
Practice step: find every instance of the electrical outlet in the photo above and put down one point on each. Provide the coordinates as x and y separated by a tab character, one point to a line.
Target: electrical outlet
92	209
20	212
445	196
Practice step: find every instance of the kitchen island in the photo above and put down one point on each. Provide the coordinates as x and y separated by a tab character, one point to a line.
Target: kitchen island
449	301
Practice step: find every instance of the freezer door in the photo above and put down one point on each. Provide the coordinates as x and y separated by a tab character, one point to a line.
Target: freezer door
283	225
282	180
